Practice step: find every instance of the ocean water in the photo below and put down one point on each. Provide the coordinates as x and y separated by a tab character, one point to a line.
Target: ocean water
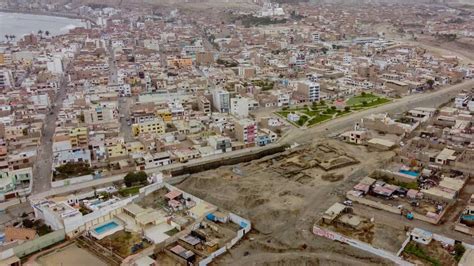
21	24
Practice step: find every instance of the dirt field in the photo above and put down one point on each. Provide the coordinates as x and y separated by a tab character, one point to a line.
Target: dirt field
70	255
283	205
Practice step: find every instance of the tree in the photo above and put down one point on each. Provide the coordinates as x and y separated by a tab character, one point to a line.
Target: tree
363	93
40	32
459	249
347	108
430	83
46	33
133	178
28	223
333	107
364	103
7	37
322	102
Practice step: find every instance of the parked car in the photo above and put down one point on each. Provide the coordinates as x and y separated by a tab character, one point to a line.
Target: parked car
347	202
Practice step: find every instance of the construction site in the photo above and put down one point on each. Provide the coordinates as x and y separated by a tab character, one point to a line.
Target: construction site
283	194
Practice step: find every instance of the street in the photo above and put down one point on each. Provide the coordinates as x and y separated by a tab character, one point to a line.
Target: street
124	103
42	169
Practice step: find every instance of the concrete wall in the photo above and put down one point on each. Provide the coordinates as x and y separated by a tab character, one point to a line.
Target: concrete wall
380	173
191	168
374	204
360	245
71	181
463	228
39	243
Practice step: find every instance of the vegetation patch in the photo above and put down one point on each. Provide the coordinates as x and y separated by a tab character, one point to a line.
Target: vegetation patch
251	21
319	119
264	84
129	191
419	252
70	170
135	178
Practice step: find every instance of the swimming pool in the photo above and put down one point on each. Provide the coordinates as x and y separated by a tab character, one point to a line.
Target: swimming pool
105	227
410	173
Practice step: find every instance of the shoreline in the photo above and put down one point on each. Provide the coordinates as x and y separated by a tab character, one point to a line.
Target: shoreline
47	13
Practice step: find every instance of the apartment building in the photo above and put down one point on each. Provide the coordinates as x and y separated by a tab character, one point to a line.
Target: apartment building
221	100
100	114
14	182
72	156
79	137
220	143
246	131
204	105
239	106
155	126
309	91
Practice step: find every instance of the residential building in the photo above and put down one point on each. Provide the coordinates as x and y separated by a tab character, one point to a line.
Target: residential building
221	100
246	131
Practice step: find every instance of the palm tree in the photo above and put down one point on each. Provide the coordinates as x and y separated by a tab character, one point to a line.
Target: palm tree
46	33
40	33
12	37
7	37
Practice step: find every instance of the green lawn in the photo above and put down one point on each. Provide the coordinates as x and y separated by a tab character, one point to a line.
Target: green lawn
316	113
125	192
319	119
420	252
357	100
377	102
329	111
302	120
342	113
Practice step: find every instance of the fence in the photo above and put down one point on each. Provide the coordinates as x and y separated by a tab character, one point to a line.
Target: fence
39	243
360	245
71	181
144	191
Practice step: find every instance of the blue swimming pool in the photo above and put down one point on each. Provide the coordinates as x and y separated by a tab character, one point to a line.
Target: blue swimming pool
407	172
468	217
105	227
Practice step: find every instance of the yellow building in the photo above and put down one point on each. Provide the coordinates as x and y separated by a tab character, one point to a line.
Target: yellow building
78	137
117	150
156	126
135	147
180	62
165	114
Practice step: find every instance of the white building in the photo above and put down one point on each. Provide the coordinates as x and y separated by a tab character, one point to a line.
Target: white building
15	182
239	106
41	100
462	100
54	64
311	90
156	159
5	78
316	37
221	100
71	156
152	44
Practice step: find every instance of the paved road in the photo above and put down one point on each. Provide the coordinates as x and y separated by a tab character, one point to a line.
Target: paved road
124	103
42	169
124	109
333	127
